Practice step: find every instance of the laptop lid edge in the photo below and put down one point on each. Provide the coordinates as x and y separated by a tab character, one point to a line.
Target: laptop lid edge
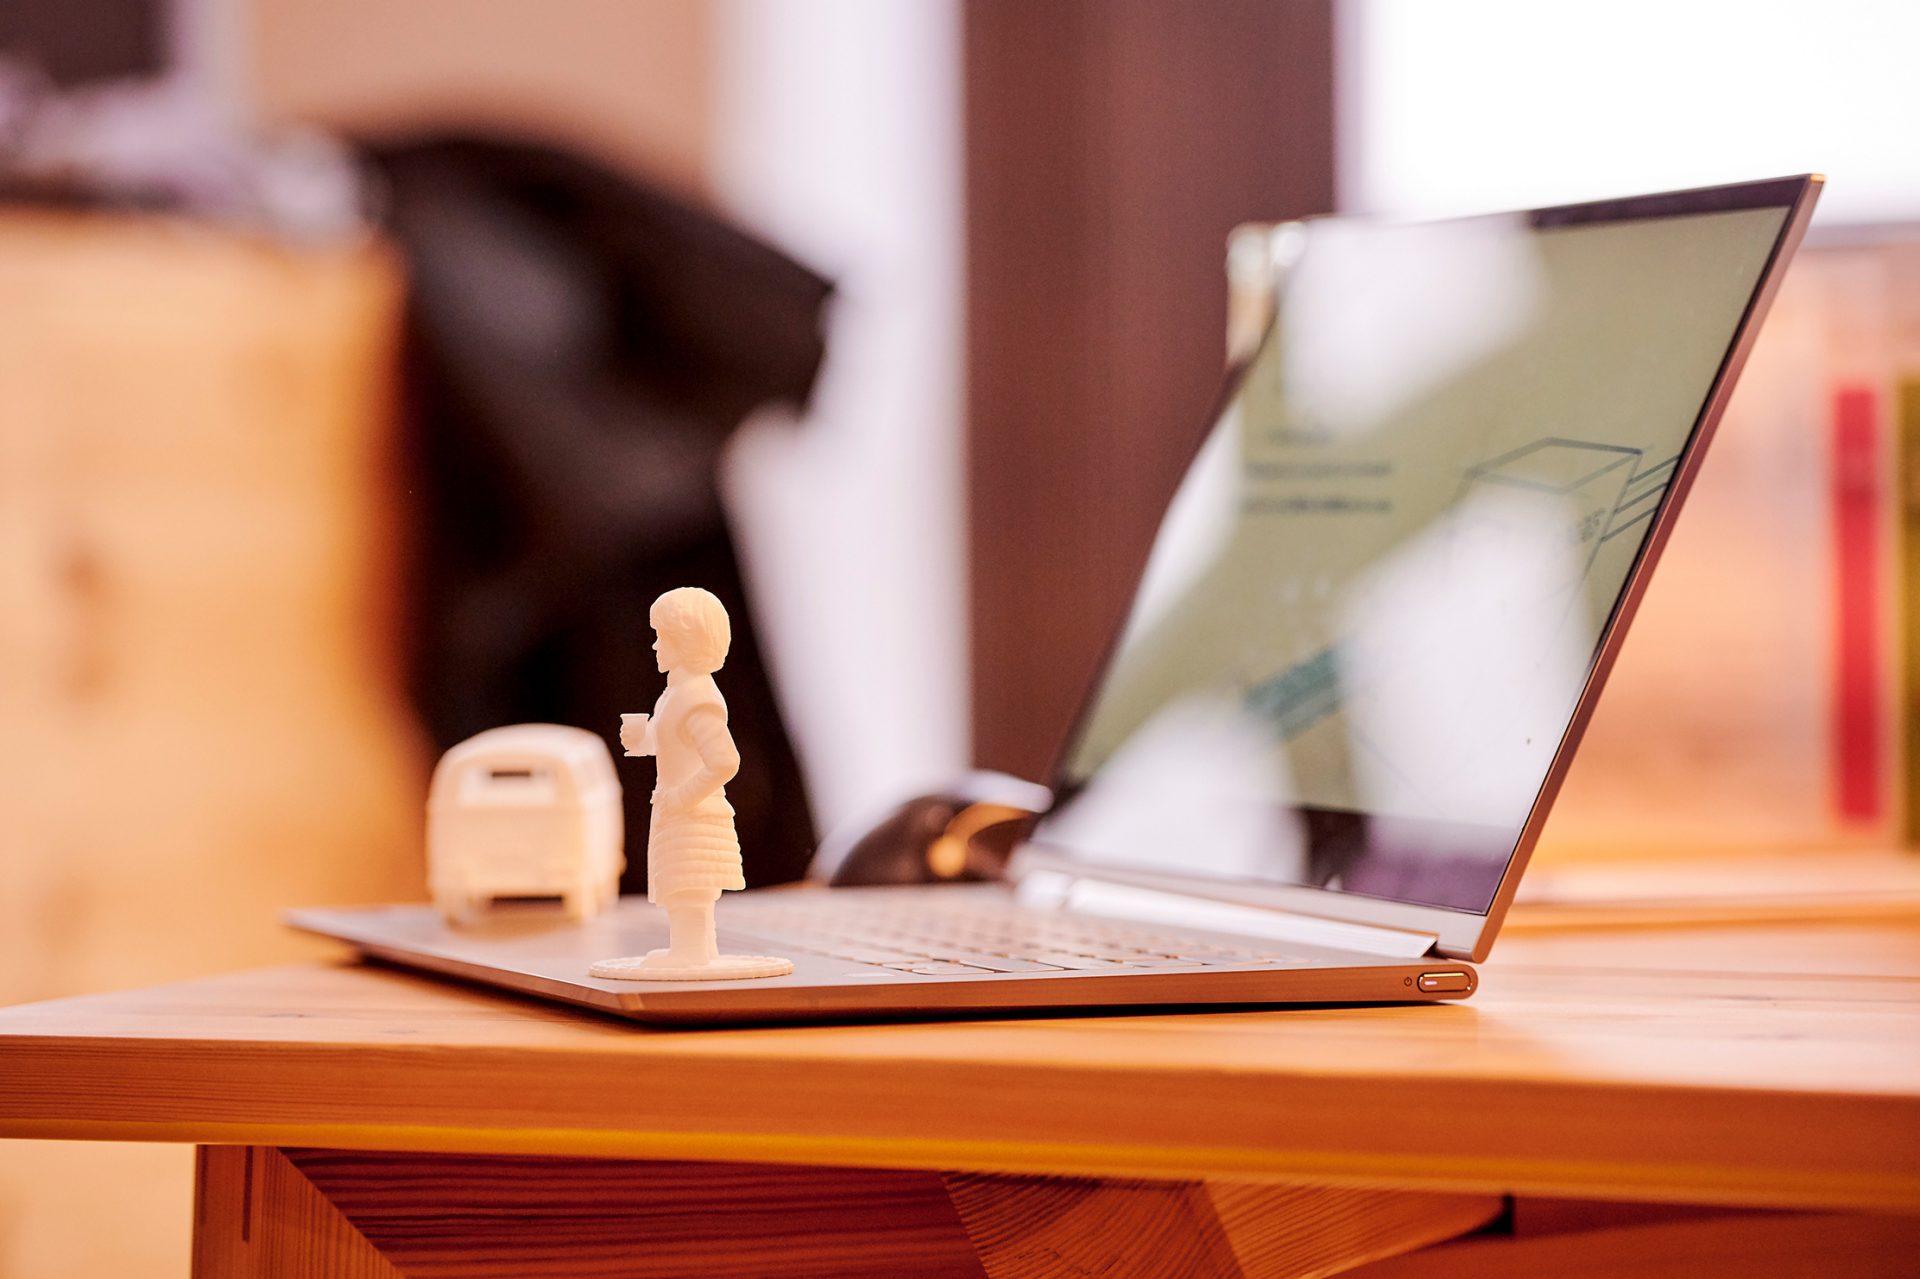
1793	230
1461	934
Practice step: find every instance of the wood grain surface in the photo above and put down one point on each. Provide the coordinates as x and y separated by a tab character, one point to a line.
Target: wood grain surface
1774	1065
256	1216
1788	1245
444	1216
1062	1226
265	1212
1316	1230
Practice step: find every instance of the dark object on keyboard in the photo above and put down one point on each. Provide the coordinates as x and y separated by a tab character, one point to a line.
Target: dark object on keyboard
961	834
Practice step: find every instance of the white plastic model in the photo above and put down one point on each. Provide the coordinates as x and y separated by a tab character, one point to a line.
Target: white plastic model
529	810
693	854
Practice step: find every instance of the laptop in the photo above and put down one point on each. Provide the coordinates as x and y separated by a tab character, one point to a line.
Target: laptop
1368	634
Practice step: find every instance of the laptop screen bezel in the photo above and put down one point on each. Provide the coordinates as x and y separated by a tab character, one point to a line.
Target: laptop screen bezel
1459	933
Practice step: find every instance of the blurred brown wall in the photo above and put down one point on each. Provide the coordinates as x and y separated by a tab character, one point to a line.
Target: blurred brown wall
631	80
1111	146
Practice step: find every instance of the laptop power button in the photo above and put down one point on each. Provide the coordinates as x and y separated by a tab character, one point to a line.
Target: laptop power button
1443	983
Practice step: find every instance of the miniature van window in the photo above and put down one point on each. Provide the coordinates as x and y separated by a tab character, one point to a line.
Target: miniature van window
509	784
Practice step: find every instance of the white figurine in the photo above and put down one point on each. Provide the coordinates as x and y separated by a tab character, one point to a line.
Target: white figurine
693	854
529	810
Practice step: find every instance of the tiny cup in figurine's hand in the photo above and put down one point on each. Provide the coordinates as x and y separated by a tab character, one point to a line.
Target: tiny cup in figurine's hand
633	734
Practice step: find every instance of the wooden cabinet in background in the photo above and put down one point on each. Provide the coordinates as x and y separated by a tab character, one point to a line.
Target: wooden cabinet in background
201	717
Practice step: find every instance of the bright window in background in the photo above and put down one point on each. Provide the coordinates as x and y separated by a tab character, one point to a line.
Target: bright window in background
1482	104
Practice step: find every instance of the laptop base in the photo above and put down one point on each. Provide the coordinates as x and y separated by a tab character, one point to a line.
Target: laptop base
534	949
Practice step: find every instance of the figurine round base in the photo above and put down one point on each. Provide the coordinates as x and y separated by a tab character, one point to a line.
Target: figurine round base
653	966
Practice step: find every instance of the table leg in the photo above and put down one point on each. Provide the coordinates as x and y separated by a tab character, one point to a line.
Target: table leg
255	1215
301	1214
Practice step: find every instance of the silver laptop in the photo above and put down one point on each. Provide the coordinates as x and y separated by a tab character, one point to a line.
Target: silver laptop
1370	630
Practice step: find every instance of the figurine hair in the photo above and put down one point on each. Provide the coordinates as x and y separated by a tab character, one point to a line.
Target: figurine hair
698	620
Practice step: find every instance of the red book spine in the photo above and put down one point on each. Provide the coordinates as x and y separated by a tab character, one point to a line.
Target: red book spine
1857	730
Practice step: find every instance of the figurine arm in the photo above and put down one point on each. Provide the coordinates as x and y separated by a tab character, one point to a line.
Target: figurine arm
706	729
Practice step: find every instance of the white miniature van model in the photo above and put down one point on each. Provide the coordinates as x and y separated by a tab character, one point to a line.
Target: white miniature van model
529	810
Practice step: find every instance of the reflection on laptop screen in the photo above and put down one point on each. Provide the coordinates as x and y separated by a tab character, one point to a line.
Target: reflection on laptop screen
1371	609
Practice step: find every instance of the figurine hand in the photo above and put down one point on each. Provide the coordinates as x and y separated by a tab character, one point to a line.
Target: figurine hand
636	735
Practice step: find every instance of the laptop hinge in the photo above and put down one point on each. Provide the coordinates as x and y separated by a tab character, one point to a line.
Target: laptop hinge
1053	890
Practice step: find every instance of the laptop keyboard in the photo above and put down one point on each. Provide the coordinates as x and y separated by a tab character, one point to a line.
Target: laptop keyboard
964	940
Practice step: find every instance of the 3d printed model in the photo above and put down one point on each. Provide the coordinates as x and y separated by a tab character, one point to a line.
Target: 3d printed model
529	810
693	854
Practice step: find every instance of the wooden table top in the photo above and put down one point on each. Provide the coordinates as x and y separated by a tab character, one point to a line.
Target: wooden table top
1770	1062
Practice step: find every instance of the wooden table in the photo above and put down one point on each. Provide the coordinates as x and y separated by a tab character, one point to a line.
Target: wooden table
1699	1099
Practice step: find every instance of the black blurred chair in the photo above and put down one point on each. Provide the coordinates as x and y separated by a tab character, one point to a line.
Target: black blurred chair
581	345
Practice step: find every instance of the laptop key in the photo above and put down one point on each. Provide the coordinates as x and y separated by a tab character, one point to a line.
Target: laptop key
876	955
940	968
1000	963
1059	959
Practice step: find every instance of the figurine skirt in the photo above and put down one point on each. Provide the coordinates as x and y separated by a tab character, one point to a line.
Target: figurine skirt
694	850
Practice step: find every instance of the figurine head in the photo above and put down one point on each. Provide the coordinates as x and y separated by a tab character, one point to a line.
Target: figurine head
693	631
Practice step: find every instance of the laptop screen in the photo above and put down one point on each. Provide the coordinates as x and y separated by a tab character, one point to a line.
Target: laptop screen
1369	613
